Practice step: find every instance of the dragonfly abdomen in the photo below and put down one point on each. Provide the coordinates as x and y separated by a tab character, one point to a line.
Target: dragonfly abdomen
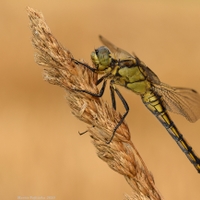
154	103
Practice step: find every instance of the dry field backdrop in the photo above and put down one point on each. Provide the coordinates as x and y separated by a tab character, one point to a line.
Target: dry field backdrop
41	152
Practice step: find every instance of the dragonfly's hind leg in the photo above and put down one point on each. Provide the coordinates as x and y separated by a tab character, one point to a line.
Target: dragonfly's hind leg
112	92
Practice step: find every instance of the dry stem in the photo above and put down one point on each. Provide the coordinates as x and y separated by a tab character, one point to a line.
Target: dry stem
61	70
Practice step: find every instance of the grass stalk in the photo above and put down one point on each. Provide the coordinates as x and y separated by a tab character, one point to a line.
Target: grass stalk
60	69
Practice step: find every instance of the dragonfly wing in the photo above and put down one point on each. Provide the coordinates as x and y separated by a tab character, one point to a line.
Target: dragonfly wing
183	101
151	76
119	54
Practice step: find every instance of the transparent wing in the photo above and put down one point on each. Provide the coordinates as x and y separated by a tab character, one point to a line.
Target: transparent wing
151	76
118	53
183	101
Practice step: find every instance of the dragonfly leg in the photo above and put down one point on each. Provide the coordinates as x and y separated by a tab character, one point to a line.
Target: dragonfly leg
87	66
95	94
82	133
113	89
112	94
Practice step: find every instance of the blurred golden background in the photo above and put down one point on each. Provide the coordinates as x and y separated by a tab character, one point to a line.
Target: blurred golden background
41	152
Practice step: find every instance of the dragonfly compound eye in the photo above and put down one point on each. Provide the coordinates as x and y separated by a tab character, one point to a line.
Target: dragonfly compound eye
104	56
95	58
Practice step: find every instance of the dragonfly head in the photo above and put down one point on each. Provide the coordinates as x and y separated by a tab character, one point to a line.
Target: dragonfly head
101	58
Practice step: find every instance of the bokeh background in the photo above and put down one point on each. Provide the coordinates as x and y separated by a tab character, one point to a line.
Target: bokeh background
41	152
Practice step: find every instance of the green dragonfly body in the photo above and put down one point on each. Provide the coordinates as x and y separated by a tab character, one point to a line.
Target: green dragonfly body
127	70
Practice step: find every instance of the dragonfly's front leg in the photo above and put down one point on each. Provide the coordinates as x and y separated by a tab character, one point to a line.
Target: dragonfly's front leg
85	65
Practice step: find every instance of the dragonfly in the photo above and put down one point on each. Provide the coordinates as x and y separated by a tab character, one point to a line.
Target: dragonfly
127	70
